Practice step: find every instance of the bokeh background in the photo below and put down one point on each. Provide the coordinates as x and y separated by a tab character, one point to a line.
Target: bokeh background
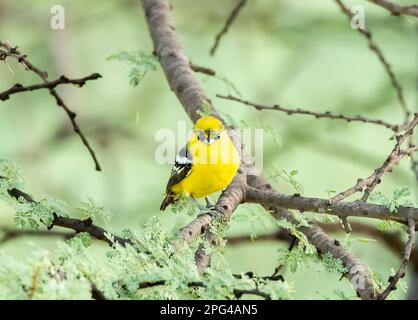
296	53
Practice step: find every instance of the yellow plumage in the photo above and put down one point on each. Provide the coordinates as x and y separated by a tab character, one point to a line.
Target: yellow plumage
209	166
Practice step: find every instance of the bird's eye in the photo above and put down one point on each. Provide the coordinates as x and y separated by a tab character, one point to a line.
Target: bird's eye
218	136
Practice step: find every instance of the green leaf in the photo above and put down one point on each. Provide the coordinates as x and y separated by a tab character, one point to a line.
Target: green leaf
141	63
333	264
401	192
93	211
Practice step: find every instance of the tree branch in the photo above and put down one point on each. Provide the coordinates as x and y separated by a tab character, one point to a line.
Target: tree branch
405	259
238	293
96	294
17	88
397	9
358	274
392	240
75	224
10	234
324	206
172	59
225	207
391	161
374	47
317	115
226	204
201	69
229	21
14	53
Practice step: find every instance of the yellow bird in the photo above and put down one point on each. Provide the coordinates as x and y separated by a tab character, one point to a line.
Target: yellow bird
207	163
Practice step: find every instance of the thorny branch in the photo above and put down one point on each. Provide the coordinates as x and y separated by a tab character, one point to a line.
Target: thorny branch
391	161
77	225
405	259
397	9
238	293
13	52
201	69
17	88
374	47
318	115
231	18
9	234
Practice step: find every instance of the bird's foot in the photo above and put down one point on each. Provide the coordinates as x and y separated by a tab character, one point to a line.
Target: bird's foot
208	203
214	211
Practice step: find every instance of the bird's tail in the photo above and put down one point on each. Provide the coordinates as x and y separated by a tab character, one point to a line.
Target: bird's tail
168	199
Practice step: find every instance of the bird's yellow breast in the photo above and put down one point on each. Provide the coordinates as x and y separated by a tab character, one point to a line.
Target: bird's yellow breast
214	166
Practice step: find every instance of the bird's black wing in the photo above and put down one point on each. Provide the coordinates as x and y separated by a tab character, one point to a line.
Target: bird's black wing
182	168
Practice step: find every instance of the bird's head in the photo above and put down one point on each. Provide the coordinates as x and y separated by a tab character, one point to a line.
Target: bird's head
208	129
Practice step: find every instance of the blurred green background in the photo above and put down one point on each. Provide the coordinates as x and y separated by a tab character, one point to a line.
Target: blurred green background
293	52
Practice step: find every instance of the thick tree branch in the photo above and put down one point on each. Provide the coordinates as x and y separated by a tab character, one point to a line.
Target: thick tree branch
14	53
325	206
172	59
231	18
17	88
227	203
374	47
318	115
397	9
225	207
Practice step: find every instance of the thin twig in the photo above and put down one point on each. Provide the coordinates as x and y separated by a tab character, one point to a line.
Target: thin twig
255	292
251	275
17	88
405	259
327	114
14	53
397	9
231	18
237	292
375	48
346	224
201	69
11	234
391	161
